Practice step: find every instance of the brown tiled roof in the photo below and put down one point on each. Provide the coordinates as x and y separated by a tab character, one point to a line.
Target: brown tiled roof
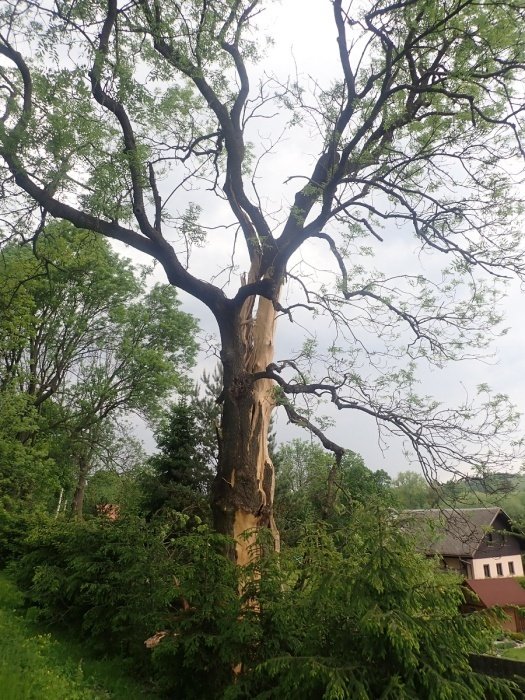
498	591
455	532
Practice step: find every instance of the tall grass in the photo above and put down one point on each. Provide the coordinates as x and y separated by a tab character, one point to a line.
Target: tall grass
38	666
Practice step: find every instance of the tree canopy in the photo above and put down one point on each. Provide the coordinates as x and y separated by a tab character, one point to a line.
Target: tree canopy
83	345
112	112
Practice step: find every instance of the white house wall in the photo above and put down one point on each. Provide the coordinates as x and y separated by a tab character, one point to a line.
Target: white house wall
478	564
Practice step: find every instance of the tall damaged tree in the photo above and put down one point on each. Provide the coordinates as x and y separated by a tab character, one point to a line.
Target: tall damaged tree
418	135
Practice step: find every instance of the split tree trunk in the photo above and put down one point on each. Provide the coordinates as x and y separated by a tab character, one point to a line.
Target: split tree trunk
245	482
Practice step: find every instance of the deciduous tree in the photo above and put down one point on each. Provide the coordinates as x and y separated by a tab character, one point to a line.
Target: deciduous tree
412	491
112	110
84	343
309	490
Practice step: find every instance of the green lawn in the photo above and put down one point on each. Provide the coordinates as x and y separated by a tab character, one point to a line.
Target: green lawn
518	653
34	665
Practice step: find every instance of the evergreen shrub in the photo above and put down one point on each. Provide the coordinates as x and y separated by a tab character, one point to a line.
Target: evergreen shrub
353	612
107	580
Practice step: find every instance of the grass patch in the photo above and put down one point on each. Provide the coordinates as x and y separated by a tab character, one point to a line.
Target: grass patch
36	665
518	653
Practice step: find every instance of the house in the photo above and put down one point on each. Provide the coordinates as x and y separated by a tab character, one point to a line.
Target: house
505	593
477	543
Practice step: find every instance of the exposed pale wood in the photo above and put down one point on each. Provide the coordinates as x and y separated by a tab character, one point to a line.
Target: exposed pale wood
259	348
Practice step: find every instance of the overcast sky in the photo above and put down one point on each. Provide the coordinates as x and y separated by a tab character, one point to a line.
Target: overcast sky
304	40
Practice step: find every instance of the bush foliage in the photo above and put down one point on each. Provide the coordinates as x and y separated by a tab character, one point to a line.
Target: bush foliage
107	580
354	612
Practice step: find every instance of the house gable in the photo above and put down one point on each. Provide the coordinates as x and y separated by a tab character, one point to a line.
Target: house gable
475	542
499	541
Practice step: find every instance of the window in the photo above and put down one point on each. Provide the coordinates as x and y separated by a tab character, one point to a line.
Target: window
499	569
511	568
486	570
